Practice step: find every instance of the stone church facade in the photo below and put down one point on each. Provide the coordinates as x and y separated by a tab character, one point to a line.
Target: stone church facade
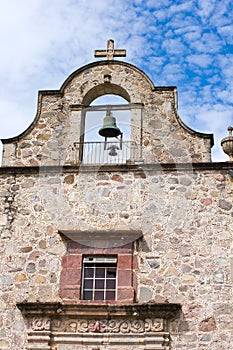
119	243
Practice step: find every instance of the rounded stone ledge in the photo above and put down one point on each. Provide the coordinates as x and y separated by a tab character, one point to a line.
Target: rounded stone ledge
164	310
209	166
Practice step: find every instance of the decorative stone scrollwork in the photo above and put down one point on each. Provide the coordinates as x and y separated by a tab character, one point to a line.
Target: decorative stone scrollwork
40	324
83	326
134	326
71	327
137	326
124	327
99	326
112	326
153	325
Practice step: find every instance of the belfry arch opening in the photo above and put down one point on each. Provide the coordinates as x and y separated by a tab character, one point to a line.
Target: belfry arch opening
95	114
98	145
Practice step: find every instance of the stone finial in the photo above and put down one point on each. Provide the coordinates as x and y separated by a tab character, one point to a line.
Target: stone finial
227	143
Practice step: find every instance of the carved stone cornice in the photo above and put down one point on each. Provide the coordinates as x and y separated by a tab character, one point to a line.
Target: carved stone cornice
51	324
164	310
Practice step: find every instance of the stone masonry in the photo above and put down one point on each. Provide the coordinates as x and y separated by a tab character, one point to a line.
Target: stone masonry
169	219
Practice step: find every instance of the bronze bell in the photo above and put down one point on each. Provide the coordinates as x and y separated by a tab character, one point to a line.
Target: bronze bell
113	150
109	128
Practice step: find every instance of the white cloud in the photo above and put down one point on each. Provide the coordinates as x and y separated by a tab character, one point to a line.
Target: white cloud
206	7
181	7
173	46
208	43
227	33
173	73
202	60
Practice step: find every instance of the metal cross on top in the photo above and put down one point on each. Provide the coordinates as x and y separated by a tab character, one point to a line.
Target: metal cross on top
110	53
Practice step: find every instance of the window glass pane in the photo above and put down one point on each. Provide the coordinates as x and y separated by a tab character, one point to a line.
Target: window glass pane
111	272
110	284
99	278
99	284
88	284
99	295
87	295
110	295
100	272
88	272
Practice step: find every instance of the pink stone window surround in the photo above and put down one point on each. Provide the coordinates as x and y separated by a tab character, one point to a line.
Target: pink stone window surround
71	275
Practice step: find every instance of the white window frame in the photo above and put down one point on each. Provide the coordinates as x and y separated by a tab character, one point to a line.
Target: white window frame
97	260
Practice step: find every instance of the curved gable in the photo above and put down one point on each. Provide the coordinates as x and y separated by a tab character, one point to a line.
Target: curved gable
161	134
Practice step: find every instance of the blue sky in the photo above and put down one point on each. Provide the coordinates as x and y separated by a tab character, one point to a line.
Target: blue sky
188	44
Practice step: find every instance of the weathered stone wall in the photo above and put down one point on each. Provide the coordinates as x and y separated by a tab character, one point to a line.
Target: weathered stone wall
185	216
164	137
